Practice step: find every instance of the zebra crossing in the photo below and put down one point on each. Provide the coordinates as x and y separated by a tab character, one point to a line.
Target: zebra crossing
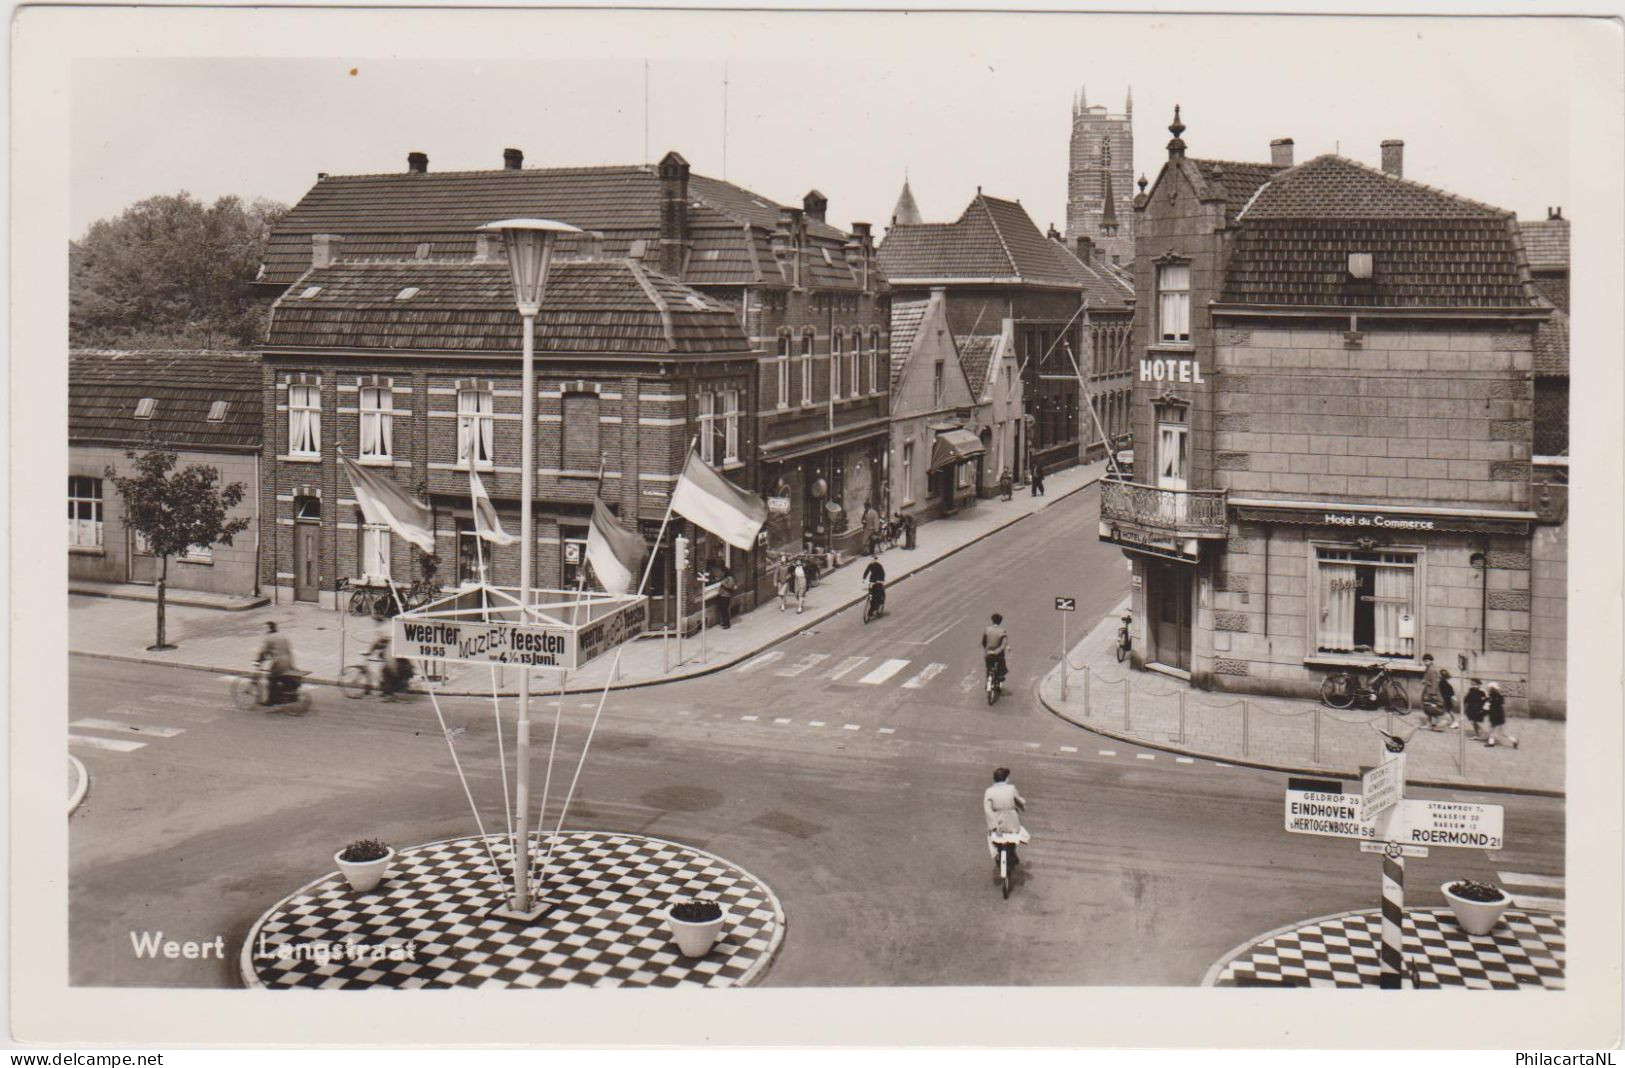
133	727
1533	891
851	670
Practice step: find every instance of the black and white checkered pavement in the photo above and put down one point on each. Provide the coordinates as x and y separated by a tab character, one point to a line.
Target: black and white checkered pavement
1525	951
434	912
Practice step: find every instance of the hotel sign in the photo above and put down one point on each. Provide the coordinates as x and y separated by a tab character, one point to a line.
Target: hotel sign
1156	543
1396	521
1186	370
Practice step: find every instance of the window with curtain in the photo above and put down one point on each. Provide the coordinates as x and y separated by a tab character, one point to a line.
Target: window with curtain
581	426
374	553
475	429
1174	302
707	428
304	420
84	512
1366	602
730	425
807	368
377	431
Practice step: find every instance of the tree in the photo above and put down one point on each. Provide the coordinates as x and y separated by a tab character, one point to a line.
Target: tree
170	272
174	511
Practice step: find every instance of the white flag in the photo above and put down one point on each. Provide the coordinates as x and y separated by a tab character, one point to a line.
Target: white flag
486	524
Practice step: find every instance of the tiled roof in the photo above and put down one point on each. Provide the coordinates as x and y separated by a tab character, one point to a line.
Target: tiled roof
906	316
1105	286
976	357
993	240
105	386
1546	242
1235	181
1429	249
591	307
395	216
1552	346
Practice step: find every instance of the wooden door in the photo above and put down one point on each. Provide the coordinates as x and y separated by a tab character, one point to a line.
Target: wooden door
306	554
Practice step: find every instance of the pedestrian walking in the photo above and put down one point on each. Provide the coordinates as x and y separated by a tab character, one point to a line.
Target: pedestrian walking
1473	704
1430	690
1497	703
871	529
798	584
725	598
1447	700
783	581
1005	483
908	530
1038	481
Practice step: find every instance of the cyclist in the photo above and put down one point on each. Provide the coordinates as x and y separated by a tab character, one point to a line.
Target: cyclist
995	643
874	578
393	672
277	656
1003	805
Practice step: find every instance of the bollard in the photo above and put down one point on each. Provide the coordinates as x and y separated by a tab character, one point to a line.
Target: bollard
1244	710
1181	717
1316	714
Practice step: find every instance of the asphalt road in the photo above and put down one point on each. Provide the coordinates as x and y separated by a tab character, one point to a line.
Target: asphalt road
844	768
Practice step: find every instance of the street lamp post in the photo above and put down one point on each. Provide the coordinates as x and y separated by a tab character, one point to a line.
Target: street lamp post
529	243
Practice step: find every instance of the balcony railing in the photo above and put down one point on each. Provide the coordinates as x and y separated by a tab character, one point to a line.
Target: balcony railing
1196	513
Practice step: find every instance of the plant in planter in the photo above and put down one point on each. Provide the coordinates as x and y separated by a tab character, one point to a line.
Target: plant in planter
695	925
1477	906
364	863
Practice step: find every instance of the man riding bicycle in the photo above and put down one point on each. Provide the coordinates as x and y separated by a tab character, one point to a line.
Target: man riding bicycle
394	672
995	643
277	656
1003	805
874	578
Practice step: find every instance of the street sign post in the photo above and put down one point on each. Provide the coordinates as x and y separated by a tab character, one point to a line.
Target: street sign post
1381	786
1064	605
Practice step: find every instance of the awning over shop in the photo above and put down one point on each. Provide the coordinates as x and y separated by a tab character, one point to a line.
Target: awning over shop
953	446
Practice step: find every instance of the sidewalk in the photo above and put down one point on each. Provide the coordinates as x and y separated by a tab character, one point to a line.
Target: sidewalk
325	640
135	591
1285	734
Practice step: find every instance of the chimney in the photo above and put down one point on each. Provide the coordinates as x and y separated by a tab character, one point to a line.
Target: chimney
417	163
487	248
321	176
815	204
1086	248
1554	214
797	226
1054	234
512	159
591	245
1281	152
673	214
864	234
1393	158
324	249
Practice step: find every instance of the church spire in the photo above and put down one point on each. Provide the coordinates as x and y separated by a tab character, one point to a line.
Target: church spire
906	213
1108	216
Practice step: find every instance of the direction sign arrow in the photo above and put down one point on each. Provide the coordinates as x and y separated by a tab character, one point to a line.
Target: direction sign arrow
1410	822
1066	604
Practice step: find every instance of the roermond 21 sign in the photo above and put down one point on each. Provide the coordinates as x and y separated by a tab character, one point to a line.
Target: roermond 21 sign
1186	370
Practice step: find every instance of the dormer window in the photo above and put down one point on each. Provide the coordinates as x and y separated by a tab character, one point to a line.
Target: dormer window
217	411
145	407
310	291
407	294
1360	265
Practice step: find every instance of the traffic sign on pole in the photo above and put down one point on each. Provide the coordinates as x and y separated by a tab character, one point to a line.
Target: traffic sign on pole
1382	786
1066	604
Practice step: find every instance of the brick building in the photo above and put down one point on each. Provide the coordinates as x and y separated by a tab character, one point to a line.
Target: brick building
808	296
205	407
1335	416
1100	179
939	456
1005	281
413	367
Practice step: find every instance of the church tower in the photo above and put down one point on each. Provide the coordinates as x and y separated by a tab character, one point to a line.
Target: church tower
1100	179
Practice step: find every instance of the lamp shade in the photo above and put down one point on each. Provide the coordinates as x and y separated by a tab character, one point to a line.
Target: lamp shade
530	250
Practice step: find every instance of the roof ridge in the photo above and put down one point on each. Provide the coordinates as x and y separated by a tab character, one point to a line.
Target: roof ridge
639	273
982	199
584	168
1380	173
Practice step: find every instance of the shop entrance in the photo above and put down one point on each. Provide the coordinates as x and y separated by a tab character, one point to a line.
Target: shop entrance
1168	595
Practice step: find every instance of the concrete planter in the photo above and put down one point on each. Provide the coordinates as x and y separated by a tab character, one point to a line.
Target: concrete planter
695	938
364	875
1475	917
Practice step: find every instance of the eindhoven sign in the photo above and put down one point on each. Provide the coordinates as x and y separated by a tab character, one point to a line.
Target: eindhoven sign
1409	822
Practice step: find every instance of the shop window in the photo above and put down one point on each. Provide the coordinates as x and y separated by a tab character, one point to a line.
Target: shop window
1366	602
84	512
475	428
1174	302
304	420
377	431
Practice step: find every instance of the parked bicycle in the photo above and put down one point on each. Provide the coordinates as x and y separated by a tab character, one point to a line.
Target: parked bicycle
1346	689
254	690
365	600
1125	638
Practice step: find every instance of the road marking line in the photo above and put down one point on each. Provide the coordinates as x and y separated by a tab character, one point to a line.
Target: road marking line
1532	901
1032	745
1069	749
847	665
1216	764
112	725
1145	756
1518	878
811	660
888	730
851	727
782	720
115	744
885	671
1183	760
972	682
761	661
748	719
1106	752
815	723
931	671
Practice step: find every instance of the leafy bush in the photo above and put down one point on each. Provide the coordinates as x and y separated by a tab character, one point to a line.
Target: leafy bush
364	850
696	911
1474	891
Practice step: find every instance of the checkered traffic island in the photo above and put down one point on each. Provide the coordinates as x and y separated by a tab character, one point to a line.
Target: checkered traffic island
1525	951
430	925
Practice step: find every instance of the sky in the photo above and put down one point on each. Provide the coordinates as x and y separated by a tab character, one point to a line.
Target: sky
846	103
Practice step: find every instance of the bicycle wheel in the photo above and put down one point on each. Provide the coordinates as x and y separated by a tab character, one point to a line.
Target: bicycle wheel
1122	652
245	693
355	682
1398	700
300	704
1004	870
992	688
1339	689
